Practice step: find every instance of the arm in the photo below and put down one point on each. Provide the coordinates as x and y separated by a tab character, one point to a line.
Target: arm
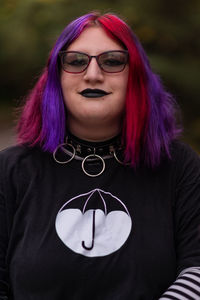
187	229
4	283
186	287
3	249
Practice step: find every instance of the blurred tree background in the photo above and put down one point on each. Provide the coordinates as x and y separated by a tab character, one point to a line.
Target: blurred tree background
169	31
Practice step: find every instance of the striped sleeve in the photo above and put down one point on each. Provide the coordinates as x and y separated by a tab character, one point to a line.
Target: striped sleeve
186	287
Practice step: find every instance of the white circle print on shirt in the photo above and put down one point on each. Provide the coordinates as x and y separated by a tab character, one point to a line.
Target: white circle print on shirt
94	224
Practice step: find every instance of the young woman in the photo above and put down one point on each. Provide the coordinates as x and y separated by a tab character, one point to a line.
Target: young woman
99	199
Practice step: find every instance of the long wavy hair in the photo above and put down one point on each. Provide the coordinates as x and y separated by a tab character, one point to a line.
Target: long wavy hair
149	124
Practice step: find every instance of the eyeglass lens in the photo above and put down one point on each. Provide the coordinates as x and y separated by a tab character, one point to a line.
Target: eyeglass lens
77	62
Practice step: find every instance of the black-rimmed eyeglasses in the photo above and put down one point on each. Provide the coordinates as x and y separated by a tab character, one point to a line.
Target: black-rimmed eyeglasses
109	61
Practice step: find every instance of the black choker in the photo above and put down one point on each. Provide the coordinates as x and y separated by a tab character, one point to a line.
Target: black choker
88	152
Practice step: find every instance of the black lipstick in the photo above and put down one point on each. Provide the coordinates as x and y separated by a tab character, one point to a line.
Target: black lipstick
93	93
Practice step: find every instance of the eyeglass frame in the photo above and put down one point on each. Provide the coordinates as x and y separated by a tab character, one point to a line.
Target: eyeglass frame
60	53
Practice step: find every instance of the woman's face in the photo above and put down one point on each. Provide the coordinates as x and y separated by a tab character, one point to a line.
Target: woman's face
94	111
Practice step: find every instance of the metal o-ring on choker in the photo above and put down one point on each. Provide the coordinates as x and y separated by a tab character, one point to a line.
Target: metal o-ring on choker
90	156
117	159
93	156
61	146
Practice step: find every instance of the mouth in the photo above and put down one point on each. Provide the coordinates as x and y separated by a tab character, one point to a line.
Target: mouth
94	93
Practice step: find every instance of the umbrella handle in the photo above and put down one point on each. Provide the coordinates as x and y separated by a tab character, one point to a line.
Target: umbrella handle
93	234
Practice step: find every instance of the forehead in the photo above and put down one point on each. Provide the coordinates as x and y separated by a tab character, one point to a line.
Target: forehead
94	40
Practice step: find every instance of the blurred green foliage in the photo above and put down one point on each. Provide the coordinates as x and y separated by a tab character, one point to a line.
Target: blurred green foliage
169	31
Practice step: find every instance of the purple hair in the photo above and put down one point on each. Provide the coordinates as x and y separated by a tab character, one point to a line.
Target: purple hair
150	124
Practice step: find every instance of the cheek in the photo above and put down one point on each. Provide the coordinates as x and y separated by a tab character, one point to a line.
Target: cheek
123	80
68	86
122	87
65	83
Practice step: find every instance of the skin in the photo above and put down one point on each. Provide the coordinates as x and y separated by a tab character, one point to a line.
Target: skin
94	119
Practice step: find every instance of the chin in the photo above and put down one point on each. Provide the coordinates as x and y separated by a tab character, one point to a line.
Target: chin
97	118
94	118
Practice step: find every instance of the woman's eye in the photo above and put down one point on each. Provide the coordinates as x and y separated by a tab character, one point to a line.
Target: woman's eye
112	62
77	62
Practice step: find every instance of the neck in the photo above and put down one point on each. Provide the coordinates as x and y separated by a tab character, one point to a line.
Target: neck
95	133
84	147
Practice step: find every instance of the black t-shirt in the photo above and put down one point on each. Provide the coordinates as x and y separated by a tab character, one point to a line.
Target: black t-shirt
123	235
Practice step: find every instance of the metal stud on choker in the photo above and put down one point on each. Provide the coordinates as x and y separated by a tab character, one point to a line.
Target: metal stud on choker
77	150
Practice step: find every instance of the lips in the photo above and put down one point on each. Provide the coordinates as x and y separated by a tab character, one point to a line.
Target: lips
93	93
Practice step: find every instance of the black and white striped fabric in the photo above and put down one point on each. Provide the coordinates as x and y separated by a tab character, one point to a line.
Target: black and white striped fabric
186	287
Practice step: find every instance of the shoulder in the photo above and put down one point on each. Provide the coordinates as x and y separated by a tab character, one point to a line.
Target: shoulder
181	149
185	163
20	165
20	155
182	154
15	153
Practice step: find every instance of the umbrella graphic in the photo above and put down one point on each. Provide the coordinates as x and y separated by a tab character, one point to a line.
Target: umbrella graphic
94	224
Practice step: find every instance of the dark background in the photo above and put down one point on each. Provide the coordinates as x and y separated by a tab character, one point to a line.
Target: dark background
169	31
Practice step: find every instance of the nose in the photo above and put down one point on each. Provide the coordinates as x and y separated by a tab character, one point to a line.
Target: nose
93	73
